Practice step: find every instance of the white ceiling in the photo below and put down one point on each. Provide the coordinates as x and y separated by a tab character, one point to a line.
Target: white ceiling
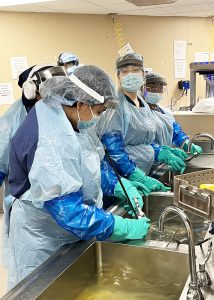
190	8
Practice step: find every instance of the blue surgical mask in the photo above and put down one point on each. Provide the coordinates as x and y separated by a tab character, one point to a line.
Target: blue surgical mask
153	98
132	82
86	124
70	70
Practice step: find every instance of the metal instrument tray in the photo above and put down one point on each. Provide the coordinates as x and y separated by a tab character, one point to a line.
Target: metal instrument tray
188	195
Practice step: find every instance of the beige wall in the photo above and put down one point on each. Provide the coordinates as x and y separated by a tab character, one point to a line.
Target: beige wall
41	37
154	36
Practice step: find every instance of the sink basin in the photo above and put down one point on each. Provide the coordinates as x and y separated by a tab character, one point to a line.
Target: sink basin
153	209
207	146
117	271
156	204
201	162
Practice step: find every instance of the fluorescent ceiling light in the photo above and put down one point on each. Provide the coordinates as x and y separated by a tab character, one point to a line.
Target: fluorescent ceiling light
20	2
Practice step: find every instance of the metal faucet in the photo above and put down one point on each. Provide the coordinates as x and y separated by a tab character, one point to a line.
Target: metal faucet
196	136
194	292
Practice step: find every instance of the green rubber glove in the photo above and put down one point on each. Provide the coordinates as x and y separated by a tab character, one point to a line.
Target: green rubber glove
178	152
129	229
194	148
155	185
131	191
142	189
174	162
151	183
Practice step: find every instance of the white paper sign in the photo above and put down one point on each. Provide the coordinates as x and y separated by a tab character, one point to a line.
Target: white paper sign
6	93
201	56
180	49
127	48
179	68
18	65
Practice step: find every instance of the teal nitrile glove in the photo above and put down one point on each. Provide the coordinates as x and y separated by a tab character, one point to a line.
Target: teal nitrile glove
151	183
131	191
174	162
195	149
178	152
129	229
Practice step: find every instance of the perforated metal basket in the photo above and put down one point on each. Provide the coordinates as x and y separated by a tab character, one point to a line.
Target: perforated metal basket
188	195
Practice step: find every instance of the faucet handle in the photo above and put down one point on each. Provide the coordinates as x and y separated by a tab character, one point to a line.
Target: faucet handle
203	277
194	294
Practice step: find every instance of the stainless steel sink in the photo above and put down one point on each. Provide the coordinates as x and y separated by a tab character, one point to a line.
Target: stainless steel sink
201	162
204	161
206	145
156	203
118	271
154	206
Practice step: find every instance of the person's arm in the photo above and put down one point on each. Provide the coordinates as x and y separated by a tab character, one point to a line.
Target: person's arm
47	187
179	136
87	222
108	178
114	144
157	149
84	221
165	155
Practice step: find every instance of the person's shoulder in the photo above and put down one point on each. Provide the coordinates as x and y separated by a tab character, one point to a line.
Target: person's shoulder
27	133
17	103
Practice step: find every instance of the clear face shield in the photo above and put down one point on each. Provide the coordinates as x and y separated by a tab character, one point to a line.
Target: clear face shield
155	91
156	84
156	88
55	87
123	71
51	72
